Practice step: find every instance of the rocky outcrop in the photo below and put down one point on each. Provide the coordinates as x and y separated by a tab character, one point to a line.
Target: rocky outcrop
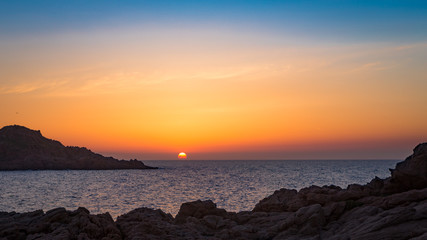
145	223
392	208
25	149
58	224
409	174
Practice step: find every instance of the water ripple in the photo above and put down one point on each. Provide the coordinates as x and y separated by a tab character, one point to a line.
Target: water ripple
233	185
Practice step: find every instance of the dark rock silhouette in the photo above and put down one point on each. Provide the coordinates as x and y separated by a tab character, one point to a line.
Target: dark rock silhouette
25	149
58	224
409	174
391	208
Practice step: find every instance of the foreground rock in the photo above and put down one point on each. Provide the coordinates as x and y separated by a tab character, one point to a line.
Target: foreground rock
392	208
58	224
25	149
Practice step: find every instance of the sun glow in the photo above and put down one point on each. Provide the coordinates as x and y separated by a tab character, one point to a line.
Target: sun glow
219	91
182	155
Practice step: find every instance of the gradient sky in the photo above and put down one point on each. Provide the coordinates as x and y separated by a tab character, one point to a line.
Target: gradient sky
218	79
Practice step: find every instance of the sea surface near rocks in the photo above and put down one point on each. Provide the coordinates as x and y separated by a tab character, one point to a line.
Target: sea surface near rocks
233	185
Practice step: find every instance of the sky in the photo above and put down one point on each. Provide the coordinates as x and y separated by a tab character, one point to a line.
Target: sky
218	79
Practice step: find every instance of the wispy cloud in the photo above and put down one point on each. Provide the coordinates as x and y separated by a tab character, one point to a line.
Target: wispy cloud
410	46
371	66
93	82
30	87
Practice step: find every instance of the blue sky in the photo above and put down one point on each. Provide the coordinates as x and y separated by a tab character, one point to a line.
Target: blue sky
337	20
280	79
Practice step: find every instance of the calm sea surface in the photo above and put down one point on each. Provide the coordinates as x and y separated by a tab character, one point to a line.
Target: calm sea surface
233	185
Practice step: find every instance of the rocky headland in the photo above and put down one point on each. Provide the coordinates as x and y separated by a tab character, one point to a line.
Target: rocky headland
391	208
25	149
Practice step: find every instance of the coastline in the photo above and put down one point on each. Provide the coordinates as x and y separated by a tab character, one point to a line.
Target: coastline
24	149
391	208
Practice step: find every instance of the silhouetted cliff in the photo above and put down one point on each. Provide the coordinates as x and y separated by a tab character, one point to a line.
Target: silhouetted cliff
25	149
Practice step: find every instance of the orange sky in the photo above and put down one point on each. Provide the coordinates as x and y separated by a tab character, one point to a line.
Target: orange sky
217	93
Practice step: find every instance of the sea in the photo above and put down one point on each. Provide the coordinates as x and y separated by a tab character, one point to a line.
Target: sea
233	185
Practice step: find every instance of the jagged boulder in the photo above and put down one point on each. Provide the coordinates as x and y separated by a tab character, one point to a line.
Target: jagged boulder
58	224
198	209
411	173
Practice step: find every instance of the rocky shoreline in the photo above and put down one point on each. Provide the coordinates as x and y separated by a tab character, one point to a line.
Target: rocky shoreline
24	149
391	208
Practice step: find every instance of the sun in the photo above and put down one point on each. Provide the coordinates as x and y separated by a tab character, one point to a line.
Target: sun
182	155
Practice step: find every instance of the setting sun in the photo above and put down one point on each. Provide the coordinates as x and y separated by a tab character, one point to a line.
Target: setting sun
182	155
247	89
